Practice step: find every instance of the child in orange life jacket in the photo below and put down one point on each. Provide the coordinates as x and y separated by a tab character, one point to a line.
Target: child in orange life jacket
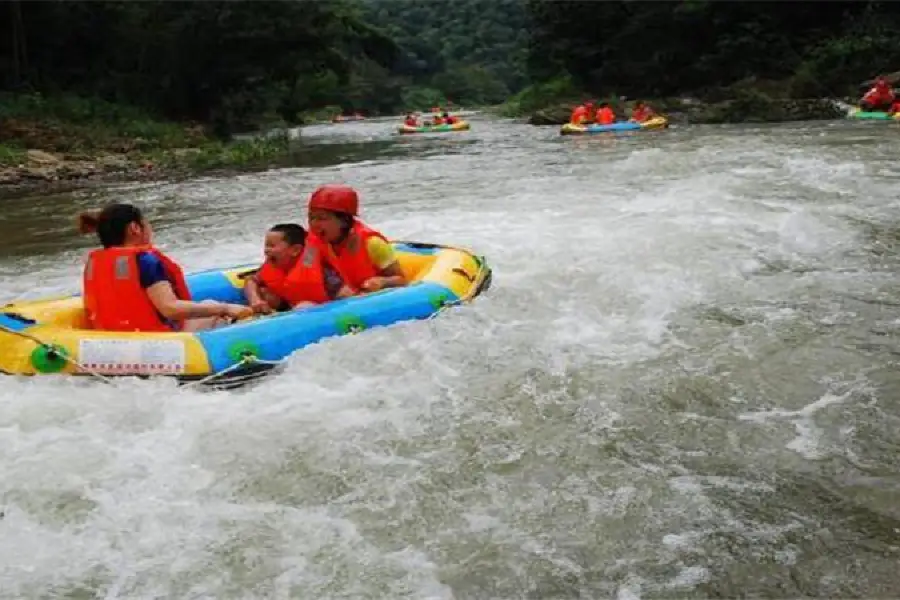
292	277
364	257
131	286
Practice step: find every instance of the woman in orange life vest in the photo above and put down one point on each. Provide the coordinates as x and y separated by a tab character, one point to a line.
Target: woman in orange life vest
294	274
131	286
364	258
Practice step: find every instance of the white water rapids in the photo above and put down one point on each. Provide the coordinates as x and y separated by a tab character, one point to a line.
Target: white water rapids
682	383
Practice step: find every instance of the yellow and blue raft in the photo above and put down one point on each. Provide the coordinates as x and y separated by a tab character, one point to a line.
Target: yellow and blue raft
657	122
458	126
49	336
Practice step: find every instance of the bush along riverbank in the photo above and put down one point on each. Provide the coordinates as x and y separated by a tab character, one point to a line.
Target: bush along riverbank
750	101
65	142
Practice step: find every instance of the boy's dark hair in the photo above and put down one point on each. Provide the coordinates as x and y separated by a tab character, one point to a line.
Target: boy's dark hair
293	234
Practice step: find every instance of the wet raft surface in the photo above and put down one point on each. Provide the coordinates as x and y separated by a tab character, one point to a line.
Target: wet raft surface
682	384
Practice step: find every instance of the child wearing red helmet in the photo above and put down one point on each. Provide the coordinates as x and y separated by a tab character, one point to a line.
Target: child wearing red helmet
364	257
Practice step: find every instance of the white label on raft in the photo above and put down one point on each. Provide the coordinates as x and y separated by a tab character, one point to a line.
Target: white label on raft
124	357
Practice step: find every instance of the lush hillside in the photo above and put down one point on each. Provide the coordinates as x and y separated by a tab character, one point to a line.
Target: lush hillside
227	63
237	65
664	48
470	51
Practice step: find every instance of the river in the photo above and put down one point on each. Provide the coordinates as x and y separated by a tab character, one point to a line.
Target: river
683	383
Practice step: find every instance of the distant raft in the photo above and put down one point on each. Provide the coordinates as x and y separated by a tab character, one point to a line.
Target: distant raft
347	119
858	113
458	126
654	123
50	336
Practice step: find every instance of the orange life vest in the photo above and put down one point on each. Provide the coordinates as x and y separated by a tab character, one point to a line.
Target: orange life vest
641	114
579	114
351	259
879	95
113	297
304	282
605	116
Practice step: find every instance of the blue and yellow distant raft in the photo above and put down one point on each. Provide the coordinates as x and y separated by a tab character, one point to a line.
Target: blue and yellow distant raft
657	122
49	337
458	126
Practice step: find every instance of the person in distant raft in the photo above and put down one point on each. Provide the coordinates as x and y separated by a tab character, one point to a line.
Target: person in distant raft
294	274
363	257
411	120
449	120
879	98
129	285
895	107
641	112
605	115
581	114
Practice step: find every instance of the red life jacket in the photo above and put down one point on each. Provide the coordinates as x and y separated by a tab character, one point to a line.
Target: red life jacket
879	95
641	114
351	258
579	114
605	116
304	282
113	297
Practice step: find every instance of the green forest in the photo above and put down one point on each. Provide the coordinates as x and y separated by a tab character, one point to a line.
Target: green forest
658	49
236	66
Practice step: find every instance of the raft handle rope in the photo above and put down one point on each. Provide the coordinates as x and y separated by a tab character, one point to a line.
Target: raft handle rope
246	360
53	352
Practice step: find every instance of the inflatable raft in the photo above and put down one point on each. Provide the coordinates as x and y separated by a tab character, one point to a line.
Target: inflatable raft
48	336
858	113
348	119
654	123
458	126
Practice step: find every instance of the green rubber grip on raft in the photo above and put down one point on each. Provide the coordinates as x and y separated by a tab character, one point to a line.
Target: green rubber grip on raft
49	358
350	324
239	351
439	301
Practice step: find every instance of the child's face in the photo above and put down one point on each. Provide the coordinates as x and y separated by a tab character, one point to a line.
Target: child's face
279	251
326	225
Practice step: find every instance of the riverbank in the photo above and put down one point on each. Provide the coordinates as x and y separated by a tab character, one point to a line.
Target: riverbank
749	101
55	144
694	111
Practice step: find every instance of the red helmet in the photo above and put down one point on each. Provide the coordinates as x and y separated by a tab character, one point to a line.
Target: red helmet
335	198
